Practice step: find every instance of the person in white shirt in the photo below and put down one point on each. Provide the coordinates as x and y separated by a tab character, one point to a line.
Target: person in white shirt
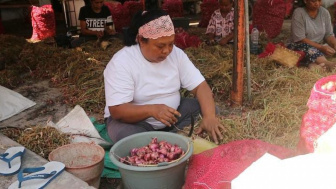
143	82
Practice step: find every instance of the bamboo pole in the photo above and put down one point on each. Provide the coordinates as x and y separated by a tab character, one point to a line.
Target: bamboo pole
247	42
237	89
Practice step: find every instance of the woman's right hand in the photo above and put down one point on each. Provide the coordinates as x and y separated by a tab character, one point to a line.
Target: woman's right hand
327	50
99	34
165	114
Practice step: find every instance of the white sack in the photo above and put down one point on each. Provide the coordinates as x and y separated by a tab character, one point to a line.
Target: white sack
12	103
326	143
79	126
311	171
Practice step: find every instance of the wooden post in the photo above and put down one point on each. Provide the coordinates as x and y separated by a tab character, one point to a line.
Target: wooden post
237	89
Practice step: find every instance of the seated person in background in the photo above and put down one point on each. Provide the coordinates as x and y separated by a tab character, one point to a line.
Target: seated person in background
221	24
93	22
311	28
143	82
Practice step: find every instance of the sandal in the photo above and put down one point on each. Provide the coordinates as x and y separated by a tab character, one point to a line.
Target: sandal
10	161
39	177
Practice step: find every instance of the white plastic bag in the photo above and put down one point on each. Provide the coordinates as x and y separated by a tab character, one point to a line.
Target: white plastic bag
79	126
12	103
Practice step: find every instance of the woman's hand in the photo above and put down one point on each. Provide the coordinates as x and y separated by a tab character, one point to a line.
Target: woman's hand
99	34
327	50
110	32
223	41
213	127
165	114
211	42
334	46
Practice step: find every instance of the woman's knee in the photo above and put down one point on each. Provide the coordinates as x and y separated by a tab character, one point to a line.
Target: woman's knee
118	130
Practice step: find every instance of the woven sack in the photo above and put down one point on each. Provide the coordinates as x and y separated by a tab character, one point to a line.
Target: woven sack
184	40
217	167
120	15
285	56
173	7
133	7
268	16
319	117
43	22
207	9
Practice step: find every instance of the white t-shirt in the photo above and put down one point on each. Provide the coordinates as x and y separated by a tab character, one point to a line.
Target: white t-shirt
129	77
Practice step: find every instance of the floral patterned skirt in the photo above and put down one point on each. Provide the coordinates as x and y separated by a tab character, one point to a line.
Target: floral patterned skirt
311	53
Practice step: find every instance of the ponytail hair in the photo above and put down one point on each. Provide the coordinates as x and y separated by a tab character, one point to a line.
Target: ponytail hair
139	19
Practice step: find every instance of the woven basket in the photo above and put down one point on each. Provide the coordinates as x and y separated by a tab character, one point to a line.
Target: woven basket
285	56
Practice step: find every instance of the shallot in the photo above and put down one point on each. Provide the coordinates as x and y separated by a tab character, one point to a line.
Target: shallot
329	86
153	153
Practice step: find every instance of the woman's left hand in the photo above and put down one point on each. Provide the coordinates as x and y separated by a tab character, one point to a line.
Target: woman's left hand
334	47
213	127
223	41
329	50
99	34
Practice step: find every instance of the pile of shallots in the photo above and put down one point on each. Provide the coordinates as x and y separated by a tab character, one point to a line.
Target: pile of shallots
153	153
329	86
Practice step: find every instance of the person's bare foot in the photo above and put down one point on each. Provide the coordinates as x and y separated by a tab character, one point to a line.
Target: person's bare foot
314	66
330	65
